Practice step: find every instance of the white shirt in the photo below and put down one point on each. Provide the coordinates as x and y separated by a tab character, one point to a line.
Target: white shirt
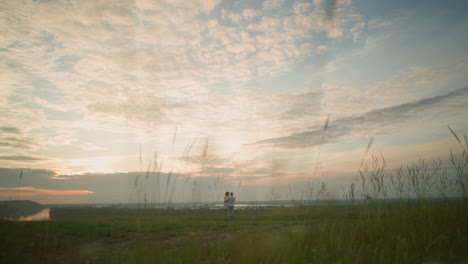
231	200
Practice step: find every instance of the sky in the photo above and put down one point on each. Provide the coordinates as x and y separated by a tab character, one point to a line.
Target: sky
171	100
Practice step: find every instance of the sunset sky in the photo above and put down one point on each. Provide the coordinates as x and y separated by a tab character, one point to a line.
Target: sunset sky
226	95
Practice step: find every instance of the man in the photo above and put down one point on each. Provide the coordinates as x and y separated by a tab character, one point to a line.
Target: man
230	203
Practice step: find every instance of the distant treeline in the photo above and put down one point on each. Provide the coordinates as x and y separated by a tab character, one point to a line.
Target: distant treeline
93	212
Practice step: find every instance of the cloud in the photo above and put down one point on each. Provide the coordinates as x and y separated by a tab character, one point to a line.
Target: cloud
318	2
19	142
302	7
32	192
39	184
10	130
250	14
462	66
210	164
23	118
24	159
405	86
46	104
36	173
369	123
299	106
233	168
232	17
144	67
378	23
159	50
272	4
55	133
342	100
322	49
356	30
90	147
215	113
209	5
406	82
336	19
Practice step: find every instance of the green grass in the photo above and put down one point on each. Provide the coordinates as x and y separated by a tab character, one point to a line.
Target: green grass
407	233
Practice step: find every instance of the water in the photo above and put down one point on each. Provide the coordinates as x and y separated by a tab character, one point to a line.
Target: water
42	215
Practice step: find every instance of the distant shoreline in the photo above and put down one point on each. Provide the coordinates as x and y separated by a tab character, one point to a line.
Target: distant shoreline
244	204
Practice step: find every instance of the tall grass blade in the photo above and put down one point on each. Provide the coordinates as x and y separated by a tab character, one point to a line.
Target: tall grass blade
325	127
369	145
455	135
148	171
135	183
205	149
158	185
20	177
466	141
191	145
174	136
19	184
188	178
322	140
155	162
141	159
168	181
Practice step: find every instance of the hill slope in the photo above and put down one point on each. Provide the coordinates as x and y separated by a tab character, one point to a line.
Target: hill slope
19	208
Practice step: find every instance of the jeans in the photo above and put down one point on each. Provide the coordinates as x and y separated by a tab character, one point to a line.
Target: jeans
230	211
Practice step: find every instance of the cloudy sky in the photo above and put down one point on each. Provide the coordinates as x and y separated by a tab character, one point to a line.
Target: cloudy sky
108	101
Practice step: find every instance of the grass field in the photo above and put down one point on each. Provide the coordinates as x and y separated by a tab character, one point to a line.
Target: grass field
373	233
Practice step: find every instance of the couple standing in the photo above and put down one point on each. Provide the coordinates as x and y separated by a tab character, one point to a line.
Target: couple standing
229	201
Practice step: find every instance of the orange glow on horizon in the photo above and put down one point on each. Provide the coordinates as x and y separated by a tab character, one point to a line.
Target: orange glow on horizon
32	191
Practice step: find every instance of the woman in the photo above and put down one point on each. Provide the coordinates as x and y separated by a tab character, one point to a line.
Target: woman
226	198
